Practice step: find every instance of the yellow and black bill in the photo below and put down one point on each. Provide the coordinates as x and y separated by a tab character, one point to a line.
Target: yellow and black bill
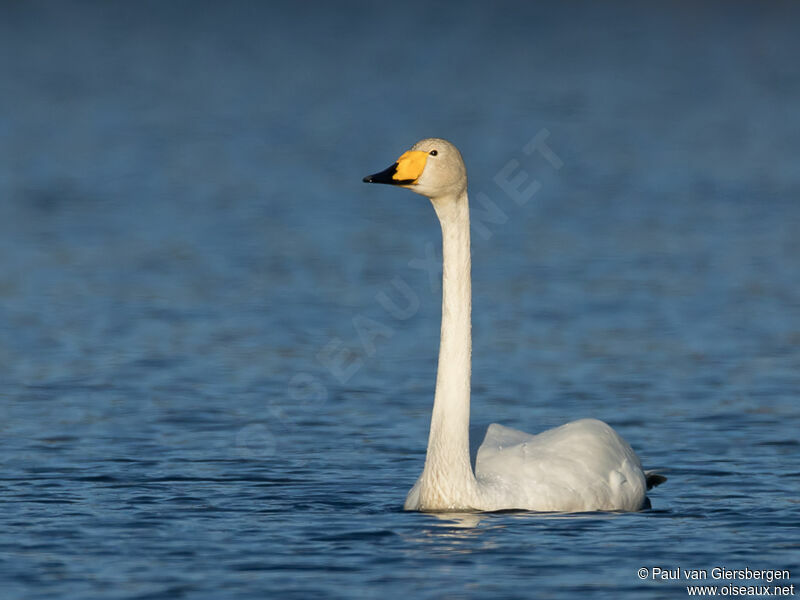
406	171
387	176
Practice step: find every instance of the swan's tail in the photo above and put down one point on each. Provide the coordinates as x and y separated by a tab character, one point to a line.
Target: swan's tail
653	479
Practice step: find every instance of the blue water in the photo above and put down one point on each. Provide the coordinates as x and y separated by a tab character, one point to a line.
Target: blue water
203	393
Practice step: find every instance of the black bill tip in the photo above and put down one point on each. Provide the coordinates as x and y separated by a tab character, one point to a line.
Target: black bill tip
385	176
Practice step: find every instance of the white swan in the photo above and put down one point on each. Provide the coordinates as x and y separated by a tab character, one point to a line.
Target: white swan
581	466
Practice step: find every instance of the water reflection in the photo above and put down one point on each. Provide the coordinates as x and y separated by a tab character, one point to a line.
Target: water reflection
465	520
455	533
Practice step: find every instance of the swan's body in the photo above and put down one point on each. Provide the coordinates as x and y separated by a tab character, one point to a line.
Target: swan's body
581	466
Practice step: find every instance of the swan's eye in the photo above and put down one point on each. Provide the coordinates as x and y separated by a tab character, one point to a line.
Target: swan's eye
433	153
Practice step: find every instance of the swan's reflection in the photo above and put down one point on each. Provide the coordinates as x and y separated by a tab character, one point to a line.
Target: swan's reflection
459	520
468	532
456	532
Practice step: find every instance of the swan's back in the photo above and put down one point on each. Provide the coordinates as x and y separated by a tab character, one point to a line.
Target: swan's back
581	466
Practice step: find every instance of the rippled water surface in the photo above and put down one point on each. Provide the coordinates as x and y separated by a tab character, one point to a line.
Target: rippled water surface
217	346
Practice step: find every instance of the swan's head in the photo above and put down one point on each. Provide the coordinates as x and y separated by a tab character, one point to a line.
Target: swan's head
433	167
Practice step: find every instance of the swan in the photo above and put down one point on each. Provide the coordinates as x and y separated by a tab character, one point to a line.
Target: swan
582	466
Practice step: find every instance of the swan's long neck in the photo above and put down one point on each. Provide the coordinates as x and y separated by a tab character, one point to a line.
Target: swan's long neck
447	480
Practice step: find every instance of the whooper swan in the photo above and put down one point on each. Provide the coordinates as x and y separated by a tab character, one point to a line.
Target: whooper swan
581	466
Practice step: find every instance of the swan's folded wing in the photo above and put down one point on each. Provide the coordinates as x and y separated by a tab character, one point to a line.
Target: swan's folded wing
584	464
499	437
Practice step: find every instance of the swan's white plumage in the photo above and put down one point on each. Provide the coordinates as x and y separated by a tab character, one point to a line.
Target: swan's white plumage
581	466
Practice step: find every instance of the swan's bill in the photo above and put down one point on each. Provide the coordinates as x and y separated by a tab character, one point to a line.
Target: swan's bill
405	171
